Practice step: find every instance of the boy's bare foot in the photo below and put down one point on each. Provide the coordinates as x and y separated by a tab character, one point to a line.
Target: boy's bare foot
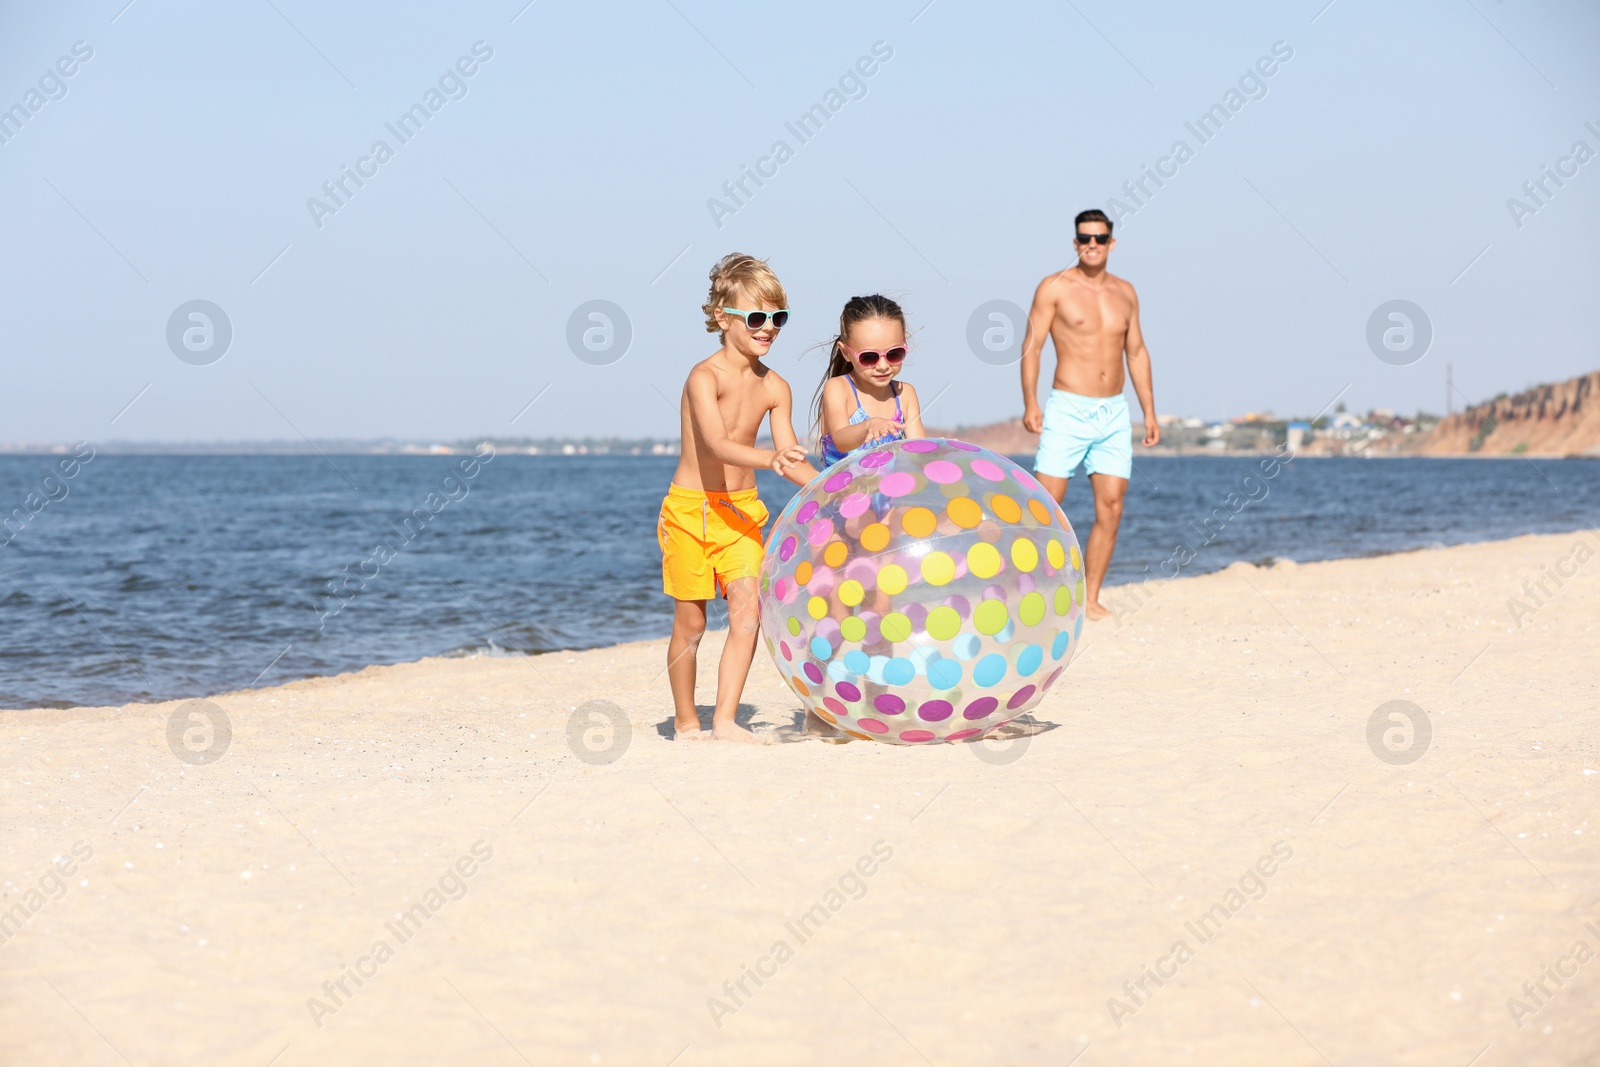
689	731
732	731
1095	612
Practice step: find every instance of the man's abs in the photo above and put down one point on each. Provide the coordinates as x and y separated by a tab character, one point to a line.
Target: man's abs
1089	366
1090	331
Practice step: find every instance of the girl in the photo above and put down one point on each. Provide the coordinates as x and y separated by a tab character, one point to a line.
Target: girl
860	402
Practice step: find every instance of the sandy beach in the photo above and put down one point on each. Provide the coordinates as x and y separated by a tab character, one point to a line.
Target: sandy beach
1201	850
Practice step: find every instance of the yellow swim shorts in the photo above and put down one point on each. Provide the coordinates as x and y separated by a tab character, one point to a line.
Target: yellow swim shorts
708	539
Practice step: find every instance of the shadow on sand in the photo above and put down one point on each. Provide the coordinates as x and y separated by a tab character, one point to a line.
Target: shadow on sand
743	717
1025	727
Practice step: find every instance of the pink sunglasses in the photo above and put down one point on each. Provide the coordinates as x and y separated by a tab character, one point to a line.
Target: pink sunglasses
869	358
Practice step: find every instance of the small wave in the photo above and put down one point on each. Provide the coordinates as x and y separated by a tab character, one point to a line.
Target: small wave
490	651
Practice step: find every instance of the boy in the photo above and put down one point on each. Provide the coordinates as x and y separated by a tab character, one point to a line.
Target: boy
711	522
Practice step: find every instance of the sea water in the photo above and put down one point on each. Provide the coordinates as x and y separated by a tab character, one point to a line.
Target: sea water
161	577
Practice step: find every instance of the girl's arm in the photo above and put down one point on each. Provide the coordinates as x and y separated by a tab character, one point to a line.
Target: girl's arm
836	419
911	407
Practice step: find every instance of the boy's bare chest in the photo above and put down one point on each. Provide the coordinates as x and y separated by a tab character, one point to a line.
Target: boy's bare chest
742	411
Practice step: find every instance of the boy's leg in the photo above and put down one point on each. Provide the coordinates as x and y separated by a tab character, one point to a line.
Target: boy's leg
688	626
744	629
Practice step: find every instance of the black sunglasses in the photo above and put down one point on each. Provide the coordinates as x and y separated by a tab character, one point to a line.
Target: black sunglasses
1097	238
754	320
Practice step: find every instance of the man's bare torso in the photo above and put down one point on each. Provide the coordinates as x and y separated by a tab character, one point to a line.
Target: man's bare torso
744	399
1089	326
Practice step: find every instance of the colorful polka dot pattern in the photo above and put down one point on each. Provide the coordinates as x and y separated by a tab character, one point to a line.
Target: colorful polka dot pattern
922	591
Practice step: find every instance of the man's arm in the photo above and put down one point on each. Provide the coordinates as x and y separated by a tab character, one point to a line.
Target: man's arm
1032	347
707	419
791	461
1139	370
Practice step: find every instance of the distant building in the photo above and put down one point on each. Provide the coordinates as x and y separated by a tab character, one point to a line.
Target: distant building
1344	425
1297	435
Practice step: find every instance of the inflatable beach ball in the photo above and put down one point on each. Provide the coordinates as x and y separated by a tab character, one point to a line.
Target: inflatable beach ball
922	591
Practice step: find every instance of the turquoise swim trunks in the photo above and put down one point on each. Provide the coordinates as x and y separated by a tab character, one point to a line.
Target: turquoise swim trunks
1093	430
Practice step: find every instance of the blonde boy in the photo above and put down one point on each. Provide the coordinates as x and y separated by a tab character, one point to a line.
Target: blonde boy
711	522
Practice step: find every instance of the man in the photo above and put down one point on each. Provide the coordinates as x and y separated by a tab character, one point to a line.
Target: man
1093	318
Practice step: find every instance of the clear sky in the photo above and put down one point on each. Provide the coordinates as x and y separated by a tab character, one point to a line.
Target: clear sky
576	163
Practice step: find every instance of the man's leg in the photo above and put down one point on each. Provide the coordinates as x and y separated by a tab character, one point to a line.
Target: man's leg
744	627
1108	493
1062	446
1056	487
688	626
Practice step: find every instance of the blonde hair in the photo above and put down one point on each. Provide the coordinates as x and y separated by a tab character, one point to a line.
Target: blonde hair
738	271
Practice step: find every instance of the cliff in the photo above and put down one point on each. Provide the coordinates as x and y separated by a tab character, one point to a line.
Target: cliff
1562	419
1007	438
